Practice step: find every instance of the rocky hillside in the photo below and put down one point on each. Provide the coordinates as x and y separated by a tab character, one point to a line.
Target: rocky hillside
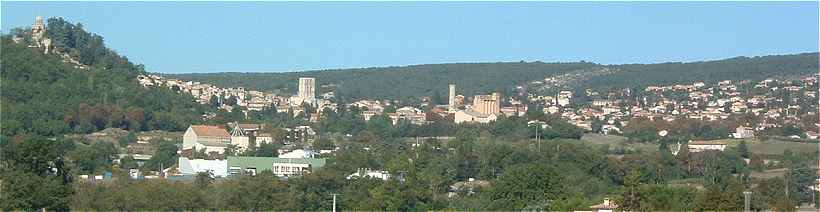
73	83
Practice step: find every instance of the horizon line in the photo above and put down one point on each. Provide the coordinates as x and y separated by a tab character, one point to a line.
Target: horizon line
474	62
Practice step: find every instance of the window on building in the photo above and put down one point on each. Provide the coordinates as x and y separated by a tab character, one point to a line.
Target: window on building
250	171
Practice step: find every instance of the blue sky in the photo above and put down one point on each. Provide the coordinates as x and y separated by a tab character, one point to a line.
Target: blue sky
182	37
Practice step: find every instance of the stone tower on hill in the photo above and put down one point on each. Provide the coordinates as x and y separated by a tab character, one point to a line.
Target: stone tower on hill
38	35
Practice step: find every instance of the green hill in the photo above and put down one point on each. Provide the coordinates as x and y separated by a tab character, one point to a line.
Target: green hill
44	95
399	82
408	82
738	68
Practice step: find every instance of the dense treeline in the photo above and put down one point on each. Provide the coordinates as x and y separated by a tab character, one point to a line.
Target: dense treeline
45	96
739	68
403	82
85	47
410	82
560	174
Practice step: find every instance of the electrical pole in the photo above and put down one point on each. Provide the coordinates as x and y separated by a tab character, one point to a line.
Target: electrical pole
537	139
746	200
334	201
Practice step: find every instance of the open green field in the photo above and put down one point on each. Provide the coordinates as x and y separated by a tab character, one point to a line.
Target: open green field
776	147
767	147
773	146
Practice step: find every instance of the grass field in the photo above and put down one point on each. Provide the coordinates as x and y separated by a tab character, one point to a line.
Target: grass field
767	147
776	147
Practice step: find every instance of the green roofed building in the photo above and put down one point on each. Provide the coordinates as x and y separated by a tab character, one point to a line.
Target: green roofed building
279	166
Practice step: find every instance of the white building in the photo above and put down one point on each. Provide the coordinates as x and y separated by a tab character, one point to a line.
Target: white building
470	115
299	153
367	173
744	132
239	139
700	146
564	98
263	138
217	168
209	138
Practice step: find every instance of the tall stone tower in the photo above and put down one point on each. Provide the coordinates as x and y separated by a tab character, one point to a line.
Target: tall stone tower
38	35
452	98
307	89
38	30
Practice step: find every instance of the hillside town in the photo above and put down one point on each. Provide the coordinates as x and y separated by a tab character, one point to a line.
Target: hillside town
764	105
709	143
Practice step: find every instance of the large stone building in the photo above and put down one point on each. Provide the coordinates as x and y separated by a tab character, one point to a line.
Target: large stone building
486	108
487	104
307	92
451	106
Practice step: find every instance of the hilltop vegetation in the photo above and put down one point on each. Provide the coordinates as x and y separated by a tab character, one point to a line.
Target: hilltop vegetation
44	95
738	68
79	87
409	82
399	82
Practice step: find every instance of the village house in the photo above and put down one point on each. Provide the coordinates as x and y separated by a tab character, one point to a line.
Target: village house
263	138
411	114
210	138
744	132
240	139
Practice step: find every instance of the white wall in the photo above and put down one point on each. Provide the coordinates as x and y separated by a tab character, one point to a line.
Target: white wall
190	167
189	139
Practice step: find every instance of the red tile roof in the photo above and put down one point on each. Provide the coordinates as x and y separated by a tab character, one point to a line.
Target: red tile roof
210	131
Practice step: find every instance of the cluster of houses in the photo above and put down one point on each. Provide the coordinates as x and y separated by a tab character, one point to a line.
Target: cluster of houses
216	140
773	103
698	101
247	100
485	108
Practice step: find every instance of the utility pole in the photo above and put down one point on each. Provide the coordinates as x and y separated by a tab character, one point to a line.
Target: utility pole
746	196
334	201
786	178
537	139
